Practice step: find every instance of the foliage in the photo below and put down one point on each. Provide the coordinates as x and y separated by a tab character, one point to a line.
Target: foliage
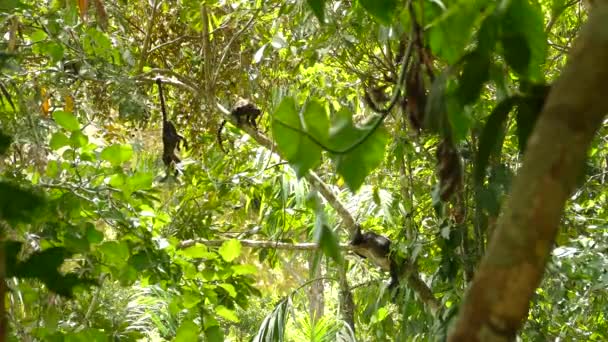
98	244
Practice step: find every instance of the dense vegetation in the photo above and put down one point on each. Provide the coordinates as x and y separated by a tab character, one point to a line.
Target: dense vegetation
468	132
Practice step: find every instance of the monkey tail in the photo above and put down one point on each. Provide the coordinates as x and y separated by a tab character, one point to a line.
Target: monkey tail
162	99
219	135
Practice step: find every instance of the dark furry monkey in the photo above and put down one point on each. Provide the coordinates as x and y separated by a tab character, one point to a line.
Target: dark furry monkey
171	140
244	112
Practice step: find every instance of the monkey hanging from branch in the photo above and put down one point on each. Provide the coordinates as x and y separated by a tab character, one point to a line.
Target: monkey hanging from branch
243	112
377	248
171	140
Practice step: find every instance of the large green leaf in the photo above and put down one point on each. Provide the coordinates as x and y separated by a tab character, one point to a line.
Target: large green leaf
523	38
451	33
230	250
318	8
59	140
491	136
66	120
316	120
475	73
299	150
356	164
78	139
117	154
527	114
115	253
198	251
187	331
328	242
381	10
226	314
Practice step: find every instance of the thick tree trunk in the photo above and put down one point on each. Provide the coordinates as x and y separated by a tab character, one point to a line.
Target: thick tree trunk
497	302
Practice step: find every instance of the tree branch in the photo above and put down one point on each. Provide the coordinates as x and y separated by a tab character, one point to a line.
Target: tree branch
497	301
413	279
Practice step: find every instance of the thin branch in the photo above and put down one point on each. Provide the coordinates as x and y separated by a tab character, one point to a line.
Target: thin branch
146	46
303	246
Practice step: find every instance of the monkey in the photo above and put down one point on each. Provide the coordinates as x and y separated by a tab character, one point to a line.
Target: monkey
171	139
244	112
378	249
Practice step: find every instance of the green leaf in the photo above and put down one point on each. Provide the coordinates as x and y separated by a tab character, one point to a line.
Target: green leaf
5	142
229	288
9	5
66	120
115	253
524	33
55	51
198	251
318	8
18	204
140	181
214	334
230	250
97	43
93	235
38	36
435	116
516	52
316	120
475	73
381	10
52	168
78	139
58	140
328	242
191	299
226	313
355	165
187	332
301	152
117	154
244	269
526	116
492	132
450	34
488	35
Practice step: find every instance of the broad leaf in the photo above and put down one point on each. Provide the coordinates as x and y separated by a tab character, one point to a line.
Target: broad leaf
475	73
226	313
328	242
117	154
492	132
115	253
66	120
230	250
187	331
298	149
450	34
381	10
524	38
59	140
356	164
198	251
318	8
78	139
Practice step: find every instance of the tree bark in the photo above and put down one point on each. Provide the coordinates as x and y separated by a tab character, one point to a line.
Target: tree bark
497	301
